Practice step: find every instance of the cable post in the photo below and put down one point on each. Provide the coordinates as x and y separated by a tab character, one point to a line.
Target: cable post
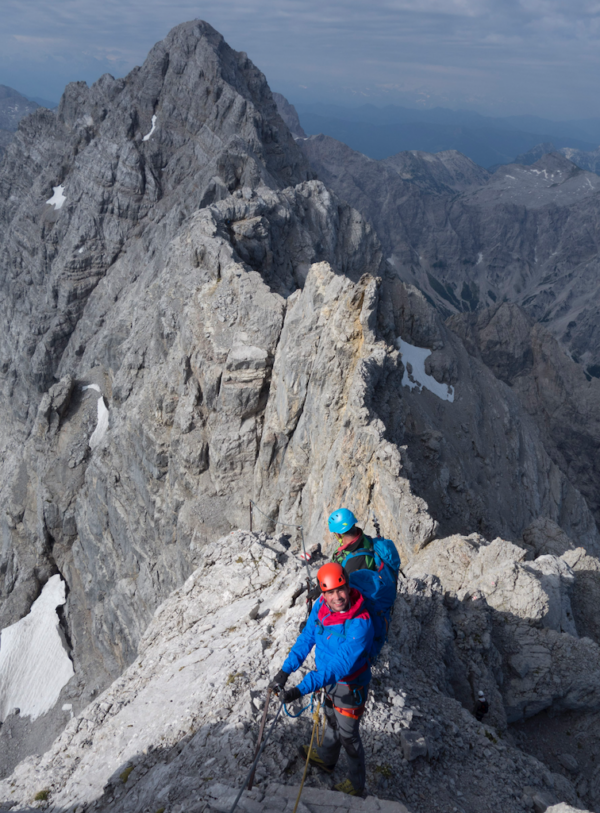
254	506
376	524
256	758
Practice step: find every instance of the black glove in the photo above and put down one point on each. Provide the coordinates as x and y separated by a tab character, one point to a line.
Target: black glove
279	681
291	695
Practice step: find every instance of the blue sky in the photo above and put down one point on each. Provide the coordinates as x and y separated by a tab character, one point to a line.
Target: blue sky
500	58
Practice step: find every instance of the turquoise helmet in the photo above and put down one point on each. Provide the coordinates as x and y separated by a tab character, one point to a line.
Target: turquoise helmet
341	521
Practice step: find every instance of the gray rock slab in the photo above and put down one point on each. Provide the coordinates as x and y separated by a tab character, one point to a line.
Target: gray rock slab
413	744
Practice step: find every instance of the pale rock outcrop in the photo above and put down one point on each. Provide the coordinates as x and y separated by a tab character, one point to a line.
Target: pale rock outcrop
282	799
538	661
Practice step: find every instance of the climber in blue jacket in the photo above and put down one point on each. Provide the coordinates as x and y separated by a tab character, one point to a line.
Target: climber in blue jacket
341	632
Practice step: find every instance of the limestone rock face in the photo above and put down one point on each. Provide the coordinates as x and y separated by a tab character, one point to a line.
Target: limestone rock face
584	600
5	138
447	171
468	457
538	660
135	402
437	240
545	536
548	384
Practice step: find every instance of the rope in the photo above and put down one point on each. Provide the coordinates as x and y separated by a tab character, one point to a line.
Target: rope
311	706
257	757
287	525
315	727
293	716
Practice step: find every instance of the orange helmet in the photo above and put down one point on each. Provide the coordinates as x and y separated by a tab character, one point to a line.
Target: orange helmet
331	576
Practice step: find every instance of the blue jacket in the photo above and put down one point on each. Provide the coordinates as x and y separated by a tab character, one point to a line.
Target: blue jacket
342	642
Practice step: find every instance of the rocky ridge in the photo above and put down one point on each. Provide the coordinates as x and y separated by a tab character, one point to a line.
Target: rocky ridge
177	729
413	205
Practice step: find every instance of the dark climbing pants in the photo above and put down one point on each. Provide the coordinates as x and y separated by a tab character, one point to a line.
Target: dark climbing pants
344	731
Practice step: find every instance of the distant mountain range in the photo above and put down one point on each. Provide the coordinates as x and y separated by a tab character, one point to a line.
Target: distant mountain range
382	132
13	106
43	102
589	160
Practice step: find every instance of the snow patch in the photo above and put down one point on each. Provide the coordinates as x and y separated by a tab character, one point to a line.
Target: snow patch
415	356
479	258
147	136
34	666
58	198
91	387
102	425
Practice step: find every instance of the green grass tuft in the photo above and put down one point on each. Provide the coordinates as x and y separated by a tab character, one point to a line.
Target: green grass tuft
125	775
385	770
41	796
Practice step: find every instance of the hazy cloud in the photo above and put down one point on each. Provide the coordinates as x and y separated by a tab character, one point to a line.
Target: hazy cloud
536	56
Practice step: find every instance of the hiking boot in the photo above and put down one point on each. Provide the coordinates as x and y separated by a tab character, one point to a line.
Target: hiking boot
347	787
315	759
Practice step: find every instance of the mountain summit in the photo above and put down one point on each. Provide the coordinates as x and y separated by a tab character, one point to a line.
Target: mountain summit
133	158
